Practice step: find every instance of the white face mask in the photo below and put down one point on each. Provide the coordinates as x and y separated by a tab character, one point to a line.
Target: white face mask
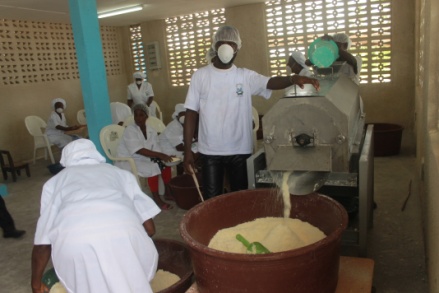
181	119
289	72
139	82
59	110
225	53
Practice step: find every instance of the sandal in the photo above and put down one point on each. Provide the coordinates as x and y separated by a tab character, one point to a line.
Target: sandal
166	207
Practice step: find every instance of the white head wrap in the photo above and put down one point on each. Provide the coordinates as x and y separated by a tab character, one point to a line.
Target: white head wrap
178	109
299	58
54	101
80	152
342	38
227	33
139	74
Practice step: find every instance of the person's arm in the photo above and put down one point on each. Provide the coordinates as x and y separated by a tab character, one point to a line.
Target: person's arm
349	58
129	98
281	82
149	227
153	154
190	121
74	127
40	258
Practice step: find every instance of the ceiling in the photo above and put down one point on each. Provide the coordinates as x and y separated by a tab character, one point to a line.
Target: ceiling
58	10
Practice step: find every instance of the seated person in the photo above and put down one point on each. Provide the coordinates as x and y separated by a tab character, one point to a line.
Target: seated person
96	226
141	143
171	139
57	125
119	112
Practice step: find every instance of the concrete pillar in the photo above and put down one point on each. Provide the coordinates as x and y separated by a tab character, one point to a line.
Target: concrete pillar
86	32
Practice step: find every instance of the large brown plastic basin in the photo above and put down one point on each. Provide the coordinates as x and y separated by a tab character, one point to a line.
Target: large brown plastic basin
311	269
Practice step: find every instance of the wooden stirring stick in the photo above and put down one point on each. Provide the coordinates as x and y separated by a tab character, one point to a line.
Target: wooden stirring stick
194	176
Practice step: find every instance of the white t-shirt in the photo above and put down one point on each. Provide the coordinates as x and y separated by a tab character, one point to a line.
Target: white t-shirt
223	100
140	95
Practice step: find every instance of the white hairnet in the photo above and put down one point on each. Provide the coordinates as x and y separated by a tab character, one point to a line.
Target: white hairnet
142	107
227	33
342	38
178	109
80	152
210	54
299	58
139	74
54	101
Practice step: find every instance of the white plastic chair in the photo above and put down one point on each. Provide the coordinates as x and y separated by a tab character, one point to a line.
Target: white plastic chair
158	111
34	125
255	128
110	137
152	122
156	124
80	116
119	112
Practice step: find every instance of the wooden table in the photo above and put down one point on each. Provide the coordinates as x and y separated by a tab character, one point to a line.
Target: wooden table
355	276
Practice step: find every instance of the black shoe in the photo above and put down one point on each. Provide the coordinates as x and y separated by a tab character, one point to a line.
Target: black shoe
14	234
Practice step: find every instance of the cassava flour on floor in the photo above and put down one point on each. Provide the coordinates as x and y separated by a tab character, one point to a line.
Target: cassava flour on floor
276	234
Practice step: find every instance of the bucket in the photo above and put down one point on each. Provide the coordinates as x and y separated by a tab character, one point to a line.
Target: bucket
310	269
184	191
387	139
174	257
323	53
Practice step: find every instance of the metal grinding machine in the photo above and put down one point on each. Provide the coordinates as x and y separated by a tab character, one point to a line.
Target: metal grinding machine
321	138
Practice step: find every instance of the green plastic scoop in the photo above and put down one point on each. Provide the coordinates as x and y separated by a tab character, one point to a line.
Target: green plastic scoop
254	247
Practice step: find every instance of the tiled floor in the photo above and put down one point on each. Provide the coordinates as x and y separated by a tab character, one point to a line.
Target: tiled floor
395	242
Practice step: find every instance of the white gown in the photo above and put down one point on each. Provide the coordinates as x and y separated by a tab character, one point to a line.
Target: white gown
171	137
132	141
56	136
92	216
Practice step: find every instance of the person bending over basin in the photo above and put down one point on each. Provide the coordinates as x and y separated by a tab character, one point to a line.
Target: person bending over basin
96	223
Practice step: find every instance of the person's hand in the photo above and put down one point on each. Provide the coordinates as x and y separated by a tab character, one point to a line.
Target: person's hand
165	158
301	80
188	163
40	288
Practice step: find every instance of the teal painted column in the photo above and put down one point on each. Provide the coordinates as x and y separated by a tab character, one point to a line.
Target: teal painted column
88	44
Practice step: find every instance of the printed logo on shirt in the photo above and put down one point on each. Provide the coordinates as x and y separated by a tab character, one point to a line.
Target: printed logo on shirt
239	90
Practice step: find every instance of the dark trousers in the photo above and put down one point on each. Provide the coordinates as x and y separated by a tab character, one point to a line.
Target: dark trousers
213	170
6	221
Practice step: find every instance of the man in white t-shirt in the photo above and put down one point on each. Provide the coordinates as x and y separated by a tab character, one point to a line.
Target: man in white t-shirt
220	94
